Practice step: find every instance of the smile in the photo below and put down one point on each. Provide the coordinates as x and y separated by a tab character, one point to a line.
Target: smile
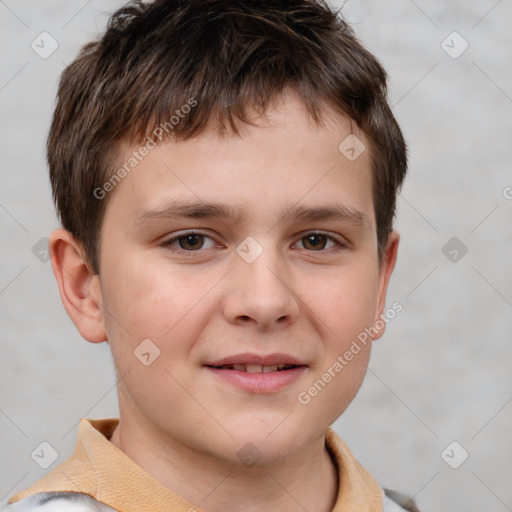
255	368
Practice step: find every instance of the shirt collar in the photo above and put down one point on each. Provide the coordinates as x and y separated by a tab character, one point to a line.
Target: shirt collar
104	472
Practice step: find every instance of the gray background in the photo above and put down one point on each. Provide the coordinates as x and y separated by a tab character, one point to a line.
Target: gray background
441	373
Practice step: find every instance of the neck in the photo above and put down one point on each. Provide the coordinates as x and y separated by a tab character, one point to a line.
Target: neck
307	481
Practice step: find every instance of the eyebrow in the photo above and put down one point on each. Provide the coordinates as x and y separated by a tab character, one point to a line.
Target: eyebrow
178	209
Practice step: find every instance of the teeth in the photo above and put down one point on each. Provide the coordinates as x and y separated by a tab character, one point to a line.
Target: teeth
253	368
256	368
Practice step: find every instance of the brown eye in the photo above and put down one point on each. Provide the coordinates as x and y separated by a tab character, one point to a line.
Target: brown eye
191	242
314	241
318	242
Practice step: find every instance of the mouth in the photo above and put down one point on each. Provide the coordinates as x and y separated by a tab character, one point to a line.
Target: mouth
255	368
256	373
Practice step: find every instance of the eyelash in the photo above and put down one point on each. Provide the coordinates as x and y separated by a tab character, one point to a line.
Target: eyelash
338	247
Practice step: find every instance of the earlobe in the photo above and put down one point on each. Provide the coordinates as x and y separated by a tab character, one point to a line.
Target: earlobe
385	270
78	286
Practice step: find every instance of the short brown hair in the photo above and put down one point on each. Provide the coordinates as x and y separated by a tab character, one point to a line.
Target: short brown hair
229	55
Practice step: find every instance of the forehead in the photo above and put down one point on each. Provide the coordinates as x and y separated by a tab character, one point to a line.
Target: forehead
284	159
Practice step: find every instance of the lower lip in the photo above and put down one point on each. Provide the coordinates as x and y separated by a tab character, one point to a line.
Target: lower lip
260	382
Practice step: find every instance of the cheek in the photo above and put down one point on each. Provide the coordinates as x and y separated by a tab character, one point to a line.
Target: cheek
154	302
148	302
346	305
347	301
150	299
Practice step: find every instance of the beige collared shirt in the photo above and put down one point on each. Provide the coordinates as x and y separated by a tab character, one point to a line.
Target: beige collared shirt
99	470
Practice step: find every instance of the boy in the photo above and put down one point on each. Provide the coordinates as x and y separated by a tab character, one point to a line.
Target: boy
226	175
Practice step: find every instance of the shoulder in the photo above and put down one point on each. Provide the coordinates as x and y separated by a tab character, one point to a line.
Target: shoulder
58	502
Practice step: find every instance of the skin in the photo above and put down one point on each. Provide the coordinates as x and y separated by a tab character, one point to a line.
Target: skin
309	301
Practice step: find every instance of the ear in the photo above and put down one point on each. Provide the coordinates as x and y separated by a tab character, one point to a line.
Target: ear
386	268
79	287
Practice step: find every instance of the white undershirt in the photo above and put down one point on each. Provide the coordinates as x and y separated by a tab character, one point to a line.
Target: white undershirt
76	502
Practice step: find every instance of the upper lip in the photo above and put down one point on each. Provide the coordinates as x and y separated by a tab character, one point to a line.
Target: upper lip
262	360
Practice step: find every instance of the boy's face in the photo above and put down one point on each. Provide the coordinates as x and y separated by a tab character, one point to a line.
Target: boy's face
271	285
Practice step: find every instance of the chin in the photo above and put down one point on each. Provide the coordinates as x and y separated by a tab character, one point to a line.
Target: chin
269	440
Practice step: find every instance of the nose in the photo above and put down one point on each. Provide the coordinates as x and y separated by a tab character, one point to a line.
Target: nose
261	293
